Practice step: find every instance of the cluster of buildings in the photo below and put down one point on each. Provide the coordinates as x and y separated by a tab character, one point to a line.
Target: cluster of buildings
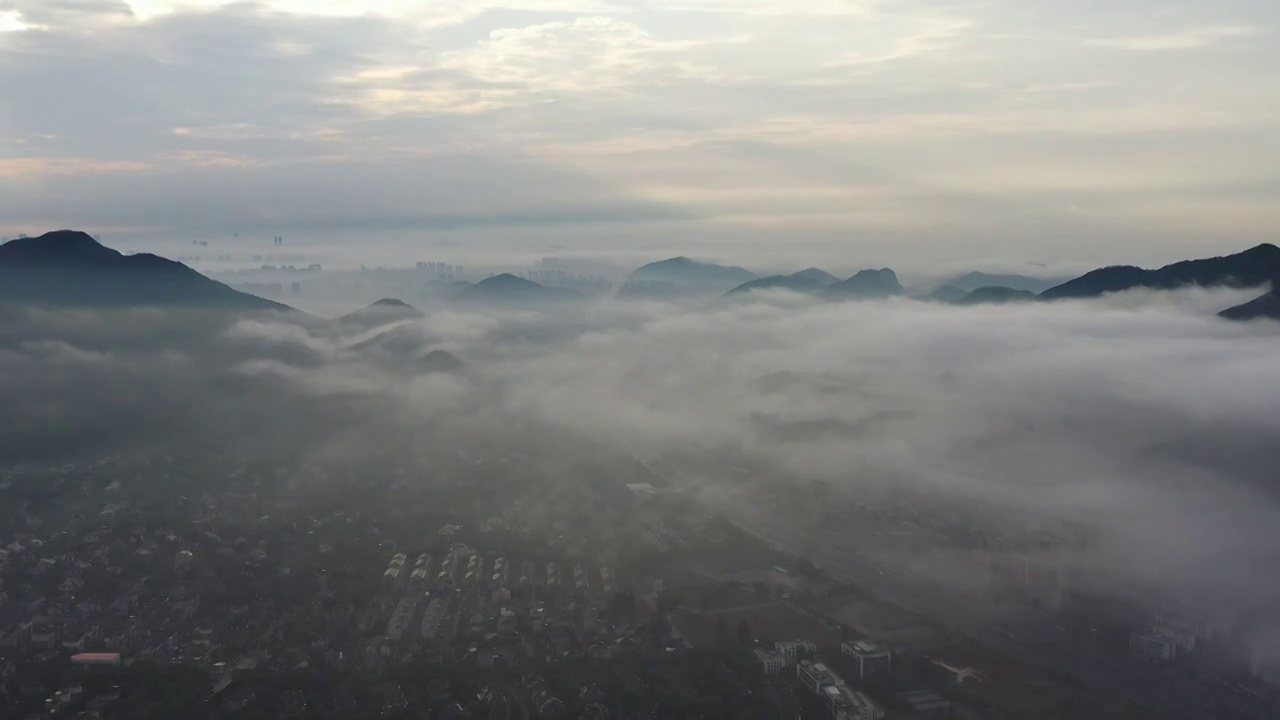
151	561
567	279
842	701
209	562
440	270
872	664
268	289
1162	642
457	604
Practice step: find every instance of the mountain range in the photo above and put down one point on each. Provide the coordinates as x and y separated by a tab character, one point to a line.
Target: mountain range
684	277
995	295
70	268
507	288
806	281
1263	307
866	284
67	267
1256	266
974	280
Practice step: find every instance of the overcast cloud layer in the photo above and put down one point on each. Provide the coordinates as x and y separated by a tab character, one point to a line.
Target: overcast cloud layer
1036	129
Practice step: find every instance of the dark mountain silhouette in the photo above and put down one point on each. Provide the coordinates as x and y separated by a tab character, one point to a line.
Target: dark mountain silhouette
681	276
1253	267
804	281
944	294
995	295
683	269
439	361
1264	307
866	284
1098	282
509	288
974	280
71	268
382	312
817	275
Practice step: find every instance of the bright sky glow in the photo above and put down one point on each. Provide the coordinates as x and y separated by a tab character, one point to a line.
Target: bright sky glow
1008	126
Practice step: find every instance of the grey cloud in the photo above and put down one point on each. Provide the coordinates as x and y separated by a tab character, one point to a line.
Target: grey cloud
67	13
1014	133
122	92
1098	413
353	196
241	118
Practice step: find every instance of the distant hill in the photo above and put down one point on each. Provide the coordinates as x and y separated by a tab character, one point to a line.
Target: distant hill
805	281
1264	307
817	275
67	267
509	288
974	280
403	348
382	312
439	361
1253	267
866	284
996	295
683	276
944	294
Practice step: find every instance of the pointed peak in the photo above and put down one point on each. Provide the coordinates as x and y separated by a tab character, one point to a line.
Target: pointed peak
381	312
392	303
817	275
505	279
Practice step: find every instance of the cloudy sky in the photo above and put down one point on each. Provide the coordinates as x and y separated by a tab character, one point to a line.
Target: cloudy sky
1142	131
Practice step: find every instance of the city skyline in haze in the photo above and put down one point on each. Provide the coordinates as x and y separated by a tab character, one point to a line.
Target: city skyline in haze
890	130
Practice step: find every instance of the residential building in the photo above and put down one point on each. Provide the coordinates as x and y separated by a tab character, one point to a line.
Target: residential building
1161	643
795	651
772	662
845	703
816	676
873	661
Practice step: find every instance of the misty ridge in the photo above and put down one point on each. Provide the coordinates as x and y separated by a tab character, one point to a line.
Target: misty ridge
1139	415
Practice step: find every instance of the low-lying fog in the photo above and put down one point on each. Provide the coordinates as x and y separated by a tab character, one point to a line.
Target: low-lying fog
1141	416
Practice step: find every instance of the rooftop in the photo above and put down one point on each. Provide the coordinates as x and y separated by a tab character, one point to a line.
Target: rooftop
864	646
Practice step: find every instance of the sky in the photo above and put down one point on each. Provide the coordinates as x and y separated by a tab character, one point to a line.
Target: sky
767	131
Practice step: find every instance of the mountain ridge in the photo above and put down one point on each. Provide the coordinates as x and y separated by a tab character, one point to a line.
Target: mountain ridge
996	295
977	279
69	267
1250	268
378	313
810	280
680	276
505	287
866	284
1262	307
